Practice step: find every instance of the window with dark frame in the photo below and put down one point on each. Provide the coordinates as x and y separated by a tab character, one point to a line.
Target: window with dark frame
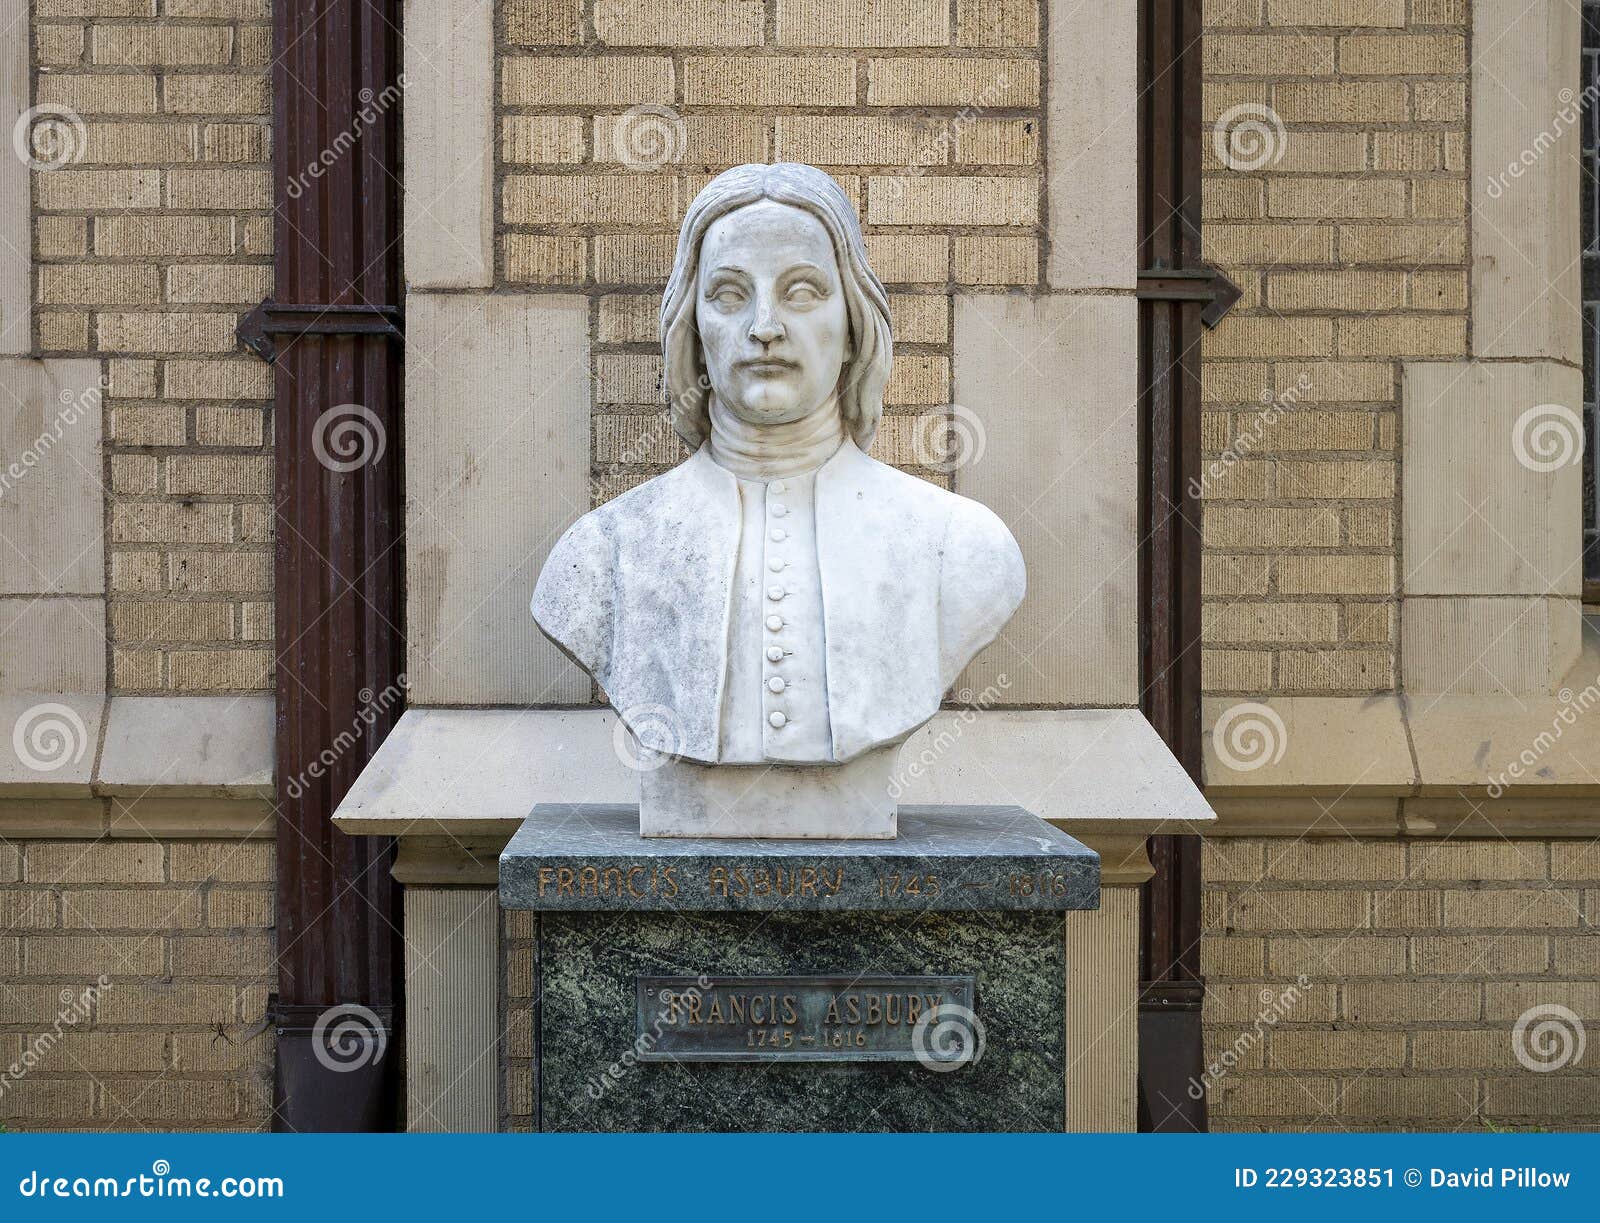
1590	205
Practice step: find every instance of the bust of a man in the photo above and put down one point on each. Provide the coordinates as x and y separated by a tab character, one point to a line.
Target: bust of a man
773	617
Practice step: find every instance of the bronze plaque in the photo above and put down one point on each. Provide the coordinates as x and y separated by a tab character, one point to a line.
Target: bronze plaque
808	1019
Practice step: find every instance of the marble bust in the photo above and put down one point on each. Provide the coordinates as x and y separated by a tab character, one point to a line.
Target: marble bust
773	617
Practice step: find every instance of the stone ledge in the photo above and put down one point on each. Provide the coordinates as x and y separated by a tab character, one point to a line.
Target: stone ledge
1407	764
456	783
136	766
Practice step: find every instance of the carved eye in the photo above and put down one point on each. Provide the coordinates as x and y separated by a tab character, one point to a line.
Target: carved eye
728	297
803	294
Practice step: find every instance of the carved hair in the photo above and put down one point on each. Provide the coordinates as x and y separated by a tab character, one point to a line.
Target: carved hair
687	389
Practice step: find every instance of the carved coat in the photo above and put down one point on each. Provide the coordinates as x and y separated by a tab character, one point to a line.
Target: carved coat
915	581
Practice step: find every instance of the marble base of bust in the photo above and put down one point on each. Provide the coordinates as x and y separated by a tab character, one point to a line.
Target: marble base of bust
852	802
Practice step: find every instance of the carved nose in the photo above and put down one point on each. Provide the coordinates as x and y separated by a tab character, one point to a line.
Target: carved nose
766	329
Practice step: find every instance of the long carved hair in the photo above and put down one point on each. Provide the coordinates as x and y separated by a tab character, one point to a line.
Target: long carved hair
686	387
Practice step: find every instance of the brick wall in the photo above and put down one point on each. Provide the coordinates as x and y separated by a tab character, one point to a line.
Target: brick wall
1345	225
147	248
173	1035
612	115
1418	961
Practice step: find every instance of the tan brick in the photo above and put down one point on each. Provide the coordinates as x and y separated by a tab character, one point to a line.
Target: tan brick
534	199
136	572
1402	54
1301	1050
25	910
1277	55
545	259
1420	1098
1342	102
1251	245
255	523
220	572
238	93
920	318
861	140
1438	12
48	1100
919	378
1407	150
1369	622
1439	101
996	259
1470	955
909	258
1233	526
123	143
871	23
58	43
234	142
130	910
231	955
161	44
1294	198
1477	860
1245	1003
1342	479
98	1053
1439	197
241	378
1336	859
541	139
1462	1048
232	1050
1292	1096
136	670
1337	12
1439	290
1562	1101
256	621
632	378
208	188
1340	956
220	670
953	82
1342	290
1228	859
229	908
10	863
1278	337
62	955
60	237
1575	860
695	23
769	81
1410	1001
146	424
1003	24
218	283
625	259
88	189
99	94
132	379
171	522
1578	955
133	237
243	10
232	475
228	426
180	1102
1221	958
1224	575
1335	670
586	80
1295	623
224	861
1412	245
953	201
541	22
1511	999
1235	670
92	862
1404	909
1271	910
98	284
171	620
63	332
1502	909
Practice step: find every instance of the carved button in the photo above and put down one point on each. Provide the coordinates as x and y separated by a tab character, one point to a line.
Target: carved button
778	511
778	486
774	652
774	623
774	593
776	684
775	564
779	534
777	719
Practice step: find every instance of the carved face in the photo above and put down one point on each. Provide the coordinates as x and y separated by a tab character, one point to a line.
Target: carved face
771	313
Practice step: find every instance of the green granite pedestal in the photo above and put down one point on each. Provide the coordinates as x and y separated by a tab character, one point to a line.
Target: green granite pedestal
908	985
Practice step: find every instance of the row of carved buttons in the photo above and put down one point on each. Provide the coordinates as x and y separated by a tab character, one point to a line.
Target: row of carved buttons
777	719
